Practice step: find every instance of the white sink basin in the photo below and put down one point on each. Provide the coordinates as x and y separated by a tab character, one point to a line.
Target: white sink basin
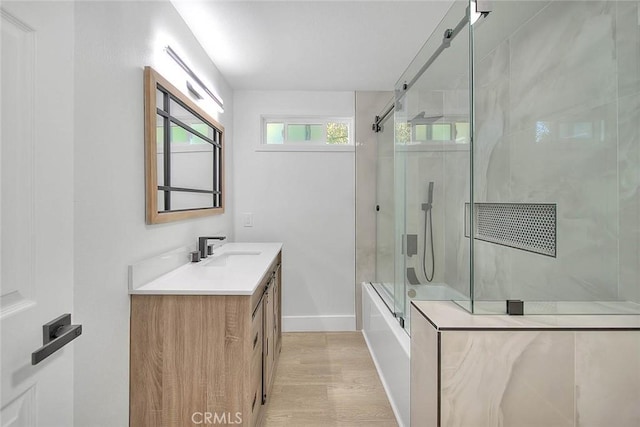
229	253
228	257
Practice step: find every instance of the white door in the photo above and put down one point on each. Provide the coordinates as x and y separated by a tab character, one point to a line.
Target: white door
36	209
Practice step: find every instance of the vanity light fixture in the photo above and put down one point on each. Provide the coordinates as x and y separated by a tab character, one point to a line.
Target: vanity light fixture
193	75
193	91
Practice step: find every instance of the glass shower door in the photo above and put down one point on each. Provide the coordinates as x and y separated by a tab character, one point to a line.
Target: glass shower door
385	222
433	167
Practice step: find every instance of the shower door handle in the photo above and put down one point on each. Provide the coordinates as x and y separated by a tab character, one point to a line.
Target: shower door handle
55	335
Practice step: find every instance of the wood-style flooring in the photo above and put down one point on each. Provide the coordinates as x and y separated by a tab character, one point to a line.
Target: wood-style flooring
327	379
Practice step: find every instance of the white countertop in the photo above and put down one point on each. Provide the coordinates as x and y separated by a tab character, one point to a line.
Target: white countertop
447	315
233	269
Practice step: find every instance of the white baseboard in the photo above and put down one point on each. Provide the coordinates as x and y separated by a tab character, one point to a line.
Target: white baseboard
334	323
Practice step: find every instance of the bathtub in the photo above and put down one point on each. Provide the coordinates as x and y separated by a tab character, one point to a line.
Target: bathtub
390	348
390	344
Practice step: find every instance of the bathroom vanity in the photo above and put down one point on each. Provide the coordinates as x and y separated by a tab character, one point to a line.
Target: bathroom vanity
205	339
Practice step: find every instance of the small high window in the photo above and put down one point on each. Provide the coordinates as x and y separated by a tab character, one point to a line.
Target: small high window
407	133
307	131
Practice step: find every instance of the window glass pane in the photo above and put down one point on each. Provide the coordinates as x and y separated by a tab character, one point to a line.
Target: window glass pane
159	99
203	129
337	133
160	150
462	132
192	169
159	132
301	130
181	136
441	132
575	130
275	133
402	133
160	167
420	132
305	133
182	200
160	201
218	167
180	113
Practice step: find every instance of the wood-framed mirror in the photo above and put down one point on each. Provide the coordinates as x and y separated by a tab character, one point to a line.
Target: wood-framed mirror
184	155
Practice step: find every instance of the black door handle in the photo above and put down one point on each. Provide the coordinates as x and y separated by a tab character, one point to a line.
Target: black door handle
55	335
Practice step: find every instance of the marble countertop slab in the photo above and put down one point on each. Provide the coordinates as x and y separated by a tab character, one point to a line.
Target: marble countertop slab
447	315
233	269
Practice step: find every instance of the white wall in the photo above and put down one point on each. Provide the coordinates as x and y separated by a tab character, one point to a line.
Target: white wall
305	200
114	40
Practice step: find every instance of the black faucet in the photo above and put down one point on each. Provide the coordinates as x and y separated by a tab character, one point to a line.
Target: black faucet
202	244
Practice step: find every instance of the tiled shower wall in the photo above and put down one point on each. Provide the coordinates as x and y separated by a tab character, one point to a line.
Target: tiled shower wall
557	113
448	168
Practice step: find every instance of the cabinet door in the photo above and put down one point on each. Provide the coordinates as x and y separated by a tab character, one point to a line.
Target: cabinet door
257	328
268	346
277	312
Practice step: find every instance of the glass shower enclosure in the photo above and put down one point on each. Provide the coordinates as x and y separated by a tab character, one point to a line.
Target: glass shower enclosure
514	151
390	289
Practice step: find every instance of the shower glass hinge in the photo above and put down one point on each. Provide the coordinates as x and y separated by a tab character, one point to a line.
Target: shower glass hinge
515	307
401	320
483	6
477	9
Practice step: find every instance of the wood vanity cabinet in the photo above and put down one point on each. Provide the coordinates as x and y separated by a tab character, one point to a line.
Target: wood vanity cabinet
272	332
204	359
